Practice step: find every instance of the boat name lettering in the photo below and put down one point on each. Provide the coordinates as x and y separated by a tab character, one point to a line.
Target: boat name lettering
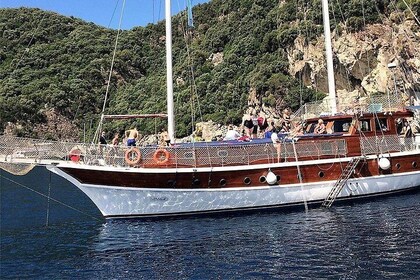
156	198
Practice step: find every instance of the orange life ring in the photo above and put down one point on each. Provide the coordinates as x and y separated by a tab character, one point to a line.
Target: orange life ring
132	156
161	156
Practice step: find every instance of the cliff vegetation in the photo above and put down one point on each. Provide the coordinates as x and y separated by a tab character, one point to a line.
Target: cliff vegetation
241	54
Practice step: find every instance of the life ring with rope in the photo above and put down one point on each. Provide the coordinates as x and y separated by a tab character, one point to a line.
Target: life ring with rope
132	156
161	156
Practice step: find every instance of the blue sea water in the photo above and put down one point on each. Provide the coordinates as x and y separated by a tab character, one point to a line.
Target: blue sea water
378	239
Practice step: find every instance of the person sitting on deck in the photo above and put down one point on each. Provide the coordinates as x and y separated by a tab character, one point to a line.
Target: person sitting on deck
286	125
270	129
320	127
298	130
164	139
231	134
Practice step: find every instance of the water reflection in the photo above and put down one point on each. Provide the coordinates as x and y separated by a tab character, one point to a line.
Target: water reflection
346	242
367	240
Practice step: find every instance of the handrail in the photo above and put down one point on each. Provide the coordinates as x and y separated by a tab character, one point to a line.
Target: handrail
21	150
15	149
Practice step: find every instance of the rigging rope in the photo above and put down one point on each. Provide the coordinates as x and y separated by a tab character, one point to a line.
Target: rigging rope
113	13
382	133
26	50
342	14
404	31
304	46
300	176
49	199
98	131
187	31
411	11
29	44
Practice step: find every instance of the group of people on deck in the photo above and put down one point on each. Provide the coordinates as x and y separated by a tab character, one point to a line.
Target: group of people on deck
131	137
257	125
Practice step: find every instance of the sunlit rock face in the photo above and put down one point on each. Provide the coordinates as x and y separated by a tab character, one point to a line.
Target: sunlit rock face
382	58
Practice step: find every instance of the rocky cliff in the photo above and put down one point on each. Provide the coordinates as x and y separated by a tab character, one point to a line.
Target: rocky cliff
380	59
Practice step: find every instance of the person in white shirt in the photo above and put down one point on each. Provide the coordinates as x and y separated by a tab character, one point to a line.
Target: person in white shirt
231	134
277	144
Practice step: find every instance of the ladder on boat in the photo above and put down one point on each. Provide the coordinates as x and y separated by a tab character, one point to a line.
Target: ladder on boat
338	186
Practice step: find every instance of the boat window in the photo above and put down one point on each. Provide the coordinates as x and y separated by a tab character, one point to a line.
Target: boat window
310	128
364	125
381	124
342	125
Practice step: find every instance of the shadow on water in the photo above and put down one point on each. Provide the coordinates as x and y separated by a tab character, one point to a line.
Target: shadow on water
372	240
24	200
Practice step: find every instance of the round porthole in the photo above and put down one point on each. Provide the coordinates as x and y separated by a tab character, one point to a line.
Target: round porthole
414	164
171	183
222	182
262	179
247	180
196	182
321	174
398	166
278	178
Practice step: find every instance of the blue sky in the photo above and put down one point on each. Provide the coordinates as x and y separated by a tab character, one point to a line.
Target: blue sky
136	12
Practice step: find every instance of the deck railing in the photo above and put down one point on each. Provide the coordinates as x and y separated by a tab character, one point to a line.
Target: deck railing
386	144
24	150
379	103
32	151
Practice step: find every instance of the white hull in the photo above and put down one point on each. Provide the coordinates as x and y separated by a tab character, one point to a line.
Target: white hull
116	201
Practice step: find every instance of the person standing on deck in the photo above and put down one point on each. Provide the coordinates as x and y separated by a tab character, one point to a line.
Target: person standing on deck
164	138
114	144
247	125
132	136
102	142
277	144
262	123
254	119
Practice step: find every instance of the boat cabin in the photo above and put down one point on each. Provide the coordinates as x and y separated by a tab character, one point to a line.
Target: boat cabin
368	124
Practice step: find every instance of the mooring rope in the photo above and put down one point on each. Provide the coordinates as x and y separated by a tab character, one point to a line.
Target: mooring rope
50	198
300	176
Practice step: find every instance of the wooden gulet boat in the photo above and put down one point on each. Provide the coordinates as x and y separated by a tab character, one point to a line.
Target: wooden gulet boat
214	177
361	155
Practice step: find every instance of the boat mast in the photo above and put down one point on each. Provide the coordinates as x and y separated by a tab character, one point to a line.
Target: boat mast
169	81
329	54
